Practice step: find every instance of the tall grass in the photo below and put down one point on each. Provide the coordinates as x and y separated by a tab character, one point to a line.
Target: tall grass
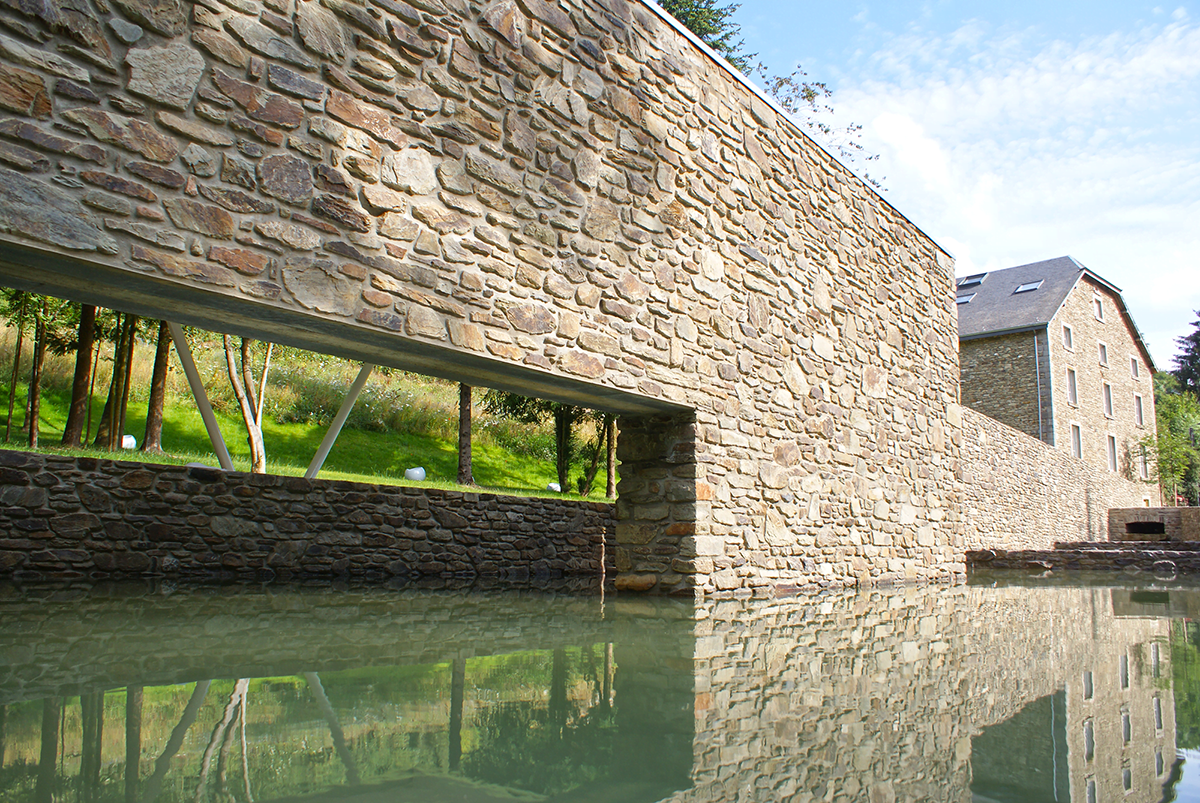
399	421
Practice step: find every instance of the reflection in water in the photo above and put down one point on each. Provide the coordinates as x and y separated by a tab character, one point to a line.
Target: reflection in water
940	694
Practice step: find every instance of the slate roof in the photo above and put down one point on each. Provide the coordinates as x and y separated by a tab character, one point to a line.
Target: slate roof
997	309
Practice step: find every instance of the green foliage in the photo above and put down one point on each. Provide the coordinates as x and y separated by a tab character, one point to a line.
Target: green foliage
566	418
1188	360
1173	452
1185	671
713	24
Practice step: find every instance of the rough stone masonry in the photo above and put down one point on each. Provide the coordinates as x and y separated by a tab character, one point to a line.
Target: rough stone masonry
568	198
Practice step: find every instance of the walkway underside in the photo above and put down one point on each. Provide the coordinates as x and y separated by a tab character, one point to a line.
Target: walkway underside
94	283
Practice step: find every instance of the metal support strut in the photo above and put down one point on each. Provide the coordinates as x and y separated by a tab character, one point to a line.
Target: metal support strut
206	412
339	420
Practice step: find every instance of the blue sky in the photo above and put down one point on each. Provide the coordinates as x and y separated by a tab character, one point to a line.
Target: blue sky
1023	131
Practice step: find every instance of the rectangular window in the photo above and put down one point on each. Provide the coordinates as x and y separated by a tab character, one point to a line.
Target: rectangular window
964	299
1159	764
1127	778
1144	471
1155	660
1103	353
1028	287
1076	441
1072	387
1106	394
1158	716
1088	686
1126	727
1135	368
1112	460
1089	740
1098	307
1137	411
1123	671
1068	338
1091	790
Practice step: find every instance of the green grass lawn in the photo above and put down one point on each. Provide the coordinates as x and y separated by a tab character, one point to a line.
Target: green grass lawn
360	456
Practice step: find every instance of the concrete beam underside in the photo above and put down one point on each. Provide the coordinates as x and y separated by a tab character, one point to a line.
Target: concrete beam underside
94	283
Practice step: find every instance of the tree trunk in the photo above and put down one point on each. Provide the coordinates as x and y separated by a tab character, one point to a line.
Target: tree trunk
133	741
35	376
92	719
108	434
163	763
558	691
131	322
458	682
610	432
152	440
48	760
589	475
246	403
3	731
16	371
563	424
87	435
80	398
465	476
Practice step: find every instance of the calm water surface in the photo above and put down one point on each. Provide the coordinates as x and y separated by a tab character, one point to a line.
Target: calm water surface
968	693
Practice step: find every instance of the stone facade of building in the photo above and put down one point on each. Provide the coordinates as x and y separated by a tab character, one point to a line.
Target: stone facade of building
83	518
572	199
1019	493
1007	378
1109	363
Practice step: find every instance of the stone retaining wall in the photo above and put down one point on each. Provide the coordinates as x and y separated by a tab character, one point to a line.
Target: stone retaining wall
66	517
1019	493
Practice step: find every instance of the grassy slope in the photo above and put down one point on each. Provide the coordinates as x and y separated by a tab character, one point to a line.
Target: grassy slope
361	456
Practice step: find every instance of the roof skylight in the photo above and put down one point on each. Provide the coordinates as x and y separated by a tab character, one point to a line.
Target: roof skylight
964	299
972	281
1029	287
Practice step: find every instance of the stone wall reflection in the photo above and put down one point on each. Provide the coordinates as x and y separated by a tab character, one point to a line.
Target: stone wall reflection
878	696
923	694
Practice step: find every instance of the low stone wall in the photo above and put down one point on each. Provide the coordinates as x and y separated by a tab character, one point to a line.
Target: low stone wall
66	517
1154	524
1019	493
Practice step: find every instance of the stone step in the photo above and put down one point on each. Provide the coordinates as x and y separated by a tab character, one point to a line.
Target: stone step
1177	546
1157	560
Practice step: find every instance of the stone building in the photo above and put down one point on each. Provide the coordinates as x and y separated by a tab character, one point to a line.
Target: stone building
1050	349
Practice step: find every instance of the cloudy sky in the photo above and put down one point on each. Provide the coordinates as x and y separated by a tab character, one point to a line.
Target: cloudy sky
1023	131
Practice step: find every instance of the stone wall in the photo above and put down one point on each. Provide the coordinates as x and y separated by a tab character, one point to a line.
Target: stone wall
572	199
1166	524
1019	493
64	517
1000	378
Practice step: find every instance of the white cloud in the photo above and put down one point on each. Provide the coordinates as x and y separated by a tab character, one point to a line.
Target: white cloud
1008	148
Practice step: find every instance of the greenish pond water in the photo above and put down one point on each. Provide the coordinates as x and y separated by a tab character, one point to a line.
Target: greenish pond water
1007	691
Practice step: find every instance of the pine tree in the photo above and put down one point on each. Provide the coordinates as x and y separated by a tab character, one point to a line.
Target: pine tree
1188	360
713	25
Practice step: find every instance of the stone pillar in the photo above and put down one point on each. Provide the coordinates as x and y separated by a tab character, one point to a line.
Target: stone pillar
662	507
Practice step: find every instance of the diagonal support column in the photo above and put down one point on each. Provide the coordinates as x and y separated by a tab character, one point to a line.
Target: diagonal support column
339	420
206	412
